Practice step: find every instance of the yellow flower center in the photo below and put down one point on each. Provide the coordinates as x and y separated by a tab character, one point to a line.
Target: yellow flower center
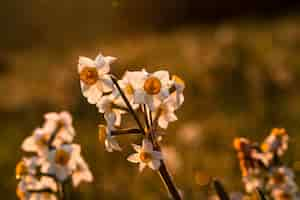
89	75
129	89
102	133
152	85
178	80
20	193
21	169
145	157
264	147
62	157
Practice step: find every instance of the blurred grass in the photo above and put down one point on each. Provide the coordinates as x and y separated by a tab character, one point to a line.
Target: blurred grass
242	79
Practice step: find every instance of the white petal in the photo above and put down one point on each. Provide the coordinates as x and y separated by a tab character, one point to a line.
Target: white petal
137	148
154	164
134	158
147	145
139	96
163	76
142	166
162	122
157	155
85	61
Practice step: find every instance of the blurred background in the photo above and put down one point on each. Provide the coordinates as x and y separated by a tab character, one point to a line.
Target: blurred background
239	59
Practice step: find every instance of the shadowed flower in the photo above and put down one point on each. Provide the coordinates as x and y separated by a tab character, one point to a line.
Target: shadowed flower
81	173
61	161
105	136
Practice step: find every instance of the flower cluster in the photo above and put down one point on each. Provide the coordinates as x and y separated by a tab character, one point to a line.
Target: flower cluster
155	95
52	160
263	169
151	98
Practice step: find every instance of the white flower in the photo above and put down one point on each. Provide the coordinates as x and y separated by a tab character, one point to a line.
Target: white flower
81	173
277	142
166	112
146	156
105	135
27	166
61	161
150	88
112	114
61	125
252	183
127	87
37	142
94	78
282	177
27	183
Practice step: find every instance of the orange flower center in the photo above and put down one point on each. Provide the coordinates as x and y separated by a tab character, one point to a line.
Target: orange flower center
152	85
89	75
21	169
62	157
145	157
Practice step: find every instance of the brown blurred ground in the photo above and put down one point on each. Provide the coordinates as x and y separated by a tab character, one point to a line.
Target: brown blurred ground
242	77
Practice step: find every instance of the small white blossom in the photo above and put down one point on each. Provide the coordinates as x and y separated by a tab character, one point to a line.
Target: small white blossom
94	78
112	114
37	142
146	156
81	173
150	88
61	161
111	144
166	112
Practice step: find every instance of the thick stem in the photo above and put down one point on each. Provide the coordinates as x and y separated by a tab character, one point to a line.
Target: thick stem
128	105
167	180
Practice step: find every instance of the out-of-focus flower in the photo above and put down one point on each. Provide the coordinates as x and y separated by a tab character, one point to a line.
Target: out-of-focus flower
37	142
146	156
281	176
171	157
61	125
107	105
94	78
81	173
27	166
105	136
276	142
150	88
61	161
190	133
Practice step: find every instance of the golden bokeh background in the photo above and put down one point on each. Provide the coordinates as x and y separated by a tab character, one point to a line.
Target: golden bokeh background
240	63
